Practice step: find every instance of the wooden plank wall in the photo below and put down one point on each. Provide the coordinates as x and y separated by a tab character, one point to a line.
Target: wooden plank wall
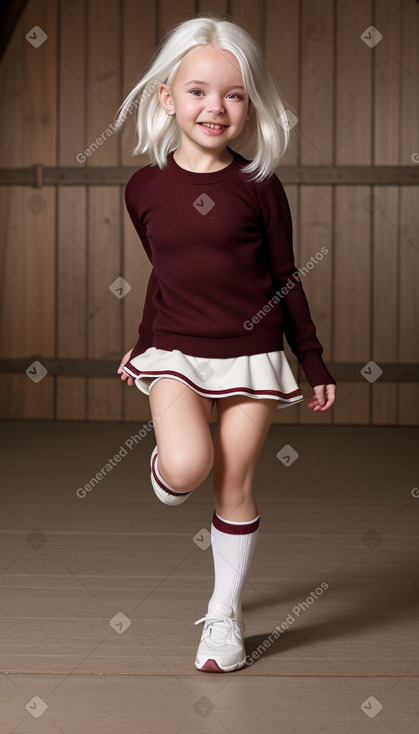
61	248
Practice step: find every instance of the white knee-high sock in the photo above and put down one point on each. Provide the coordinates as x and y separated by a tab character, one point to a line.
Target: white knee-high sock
232	547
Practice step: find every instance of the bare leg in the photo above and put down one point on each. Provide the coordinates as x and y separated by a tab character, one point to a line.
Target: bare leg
243	424
184	442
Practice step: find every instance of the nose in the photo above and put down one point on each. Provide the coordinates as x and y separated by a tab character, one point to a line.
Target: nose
215	104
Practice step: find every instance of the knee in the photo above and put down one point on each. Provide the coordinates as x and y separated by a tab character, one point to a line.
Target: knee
185	469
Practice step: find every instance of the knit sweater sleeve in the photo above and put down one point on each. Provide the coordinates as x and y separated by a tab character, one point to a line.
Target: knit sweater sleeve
145	329
299	329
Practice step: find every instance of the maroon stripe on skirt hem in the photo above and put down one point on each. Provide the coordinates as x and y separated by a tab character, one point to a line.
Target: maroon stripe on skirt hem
134	372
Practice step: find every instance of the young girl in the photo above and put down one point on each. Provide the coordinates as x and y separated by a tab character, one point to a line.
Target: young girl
223	291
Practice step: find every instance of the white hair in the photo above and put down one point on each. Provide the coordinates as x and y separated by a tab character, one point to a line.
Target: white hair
263	139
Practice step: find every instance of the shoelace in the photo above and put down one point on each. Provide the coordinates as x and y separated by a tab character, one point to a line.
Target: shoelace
231	622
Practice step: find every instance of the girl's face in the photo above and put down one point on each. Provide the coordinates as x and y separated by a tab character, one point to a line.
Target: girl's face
208	98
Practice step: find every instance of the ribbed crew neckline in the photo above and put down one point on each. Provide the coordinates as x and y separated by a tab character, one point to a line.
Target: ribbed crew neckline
200	178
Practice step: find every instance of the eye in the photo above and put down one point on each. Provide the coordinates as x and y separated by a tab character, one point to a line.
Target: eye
233	94
192	91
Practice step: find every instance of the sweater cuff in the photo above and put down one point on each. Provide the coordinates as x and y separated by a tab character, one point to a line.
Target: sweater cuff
315	370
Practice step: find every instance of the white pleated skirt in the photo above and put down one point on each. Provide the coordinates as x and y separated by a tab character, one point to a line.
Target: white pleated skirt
257	376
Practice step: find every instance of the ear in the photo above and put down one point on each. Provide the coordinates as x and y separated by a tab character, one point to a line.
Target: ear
166	100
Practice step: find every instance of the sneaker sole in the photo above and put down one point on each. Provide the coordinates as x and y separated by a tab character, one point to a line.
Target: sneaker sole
211	666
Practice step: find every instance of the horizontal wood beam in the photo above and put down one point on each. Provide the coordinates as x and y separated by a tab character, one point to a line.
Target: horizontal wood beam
342	371
39	175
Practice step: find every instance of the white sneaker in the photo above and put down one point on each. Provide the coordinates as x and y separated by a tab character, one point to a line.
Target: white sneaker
221	649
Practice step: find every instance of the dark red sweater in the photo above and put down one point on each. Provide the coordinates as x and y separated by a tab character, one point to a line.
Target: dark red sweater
221	250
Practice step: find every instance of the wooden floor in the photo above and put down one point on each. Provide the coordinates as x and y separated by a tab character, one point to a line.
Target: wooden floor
99	594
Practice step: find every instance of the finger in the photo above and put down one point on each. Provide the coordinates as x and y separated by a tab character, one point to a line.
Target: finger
128	379
312	403
320	394
330	397
314	406
313	400
329	403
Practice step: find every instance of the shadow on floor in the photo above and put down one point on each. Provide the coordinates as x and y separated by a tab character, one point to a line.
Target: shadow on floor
364	612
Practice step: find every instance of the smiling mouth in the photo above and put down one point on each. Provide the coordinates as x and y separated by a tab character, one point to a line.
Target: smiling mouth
212	125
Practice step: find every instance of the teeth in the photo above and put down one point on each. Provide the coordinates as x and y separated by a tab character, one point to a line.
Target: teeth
213	127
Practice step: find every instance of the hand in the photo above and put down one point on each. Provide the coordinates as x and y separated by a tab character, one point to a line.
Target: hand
323	398
120	371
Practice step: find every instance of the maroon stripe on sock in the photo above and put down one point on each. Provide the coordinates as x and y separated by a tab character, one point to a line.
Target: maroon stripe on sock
227	527
159	482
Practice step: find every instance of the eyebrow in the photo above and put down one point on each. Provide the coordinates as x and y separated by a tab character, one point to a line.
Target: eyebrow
205	84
